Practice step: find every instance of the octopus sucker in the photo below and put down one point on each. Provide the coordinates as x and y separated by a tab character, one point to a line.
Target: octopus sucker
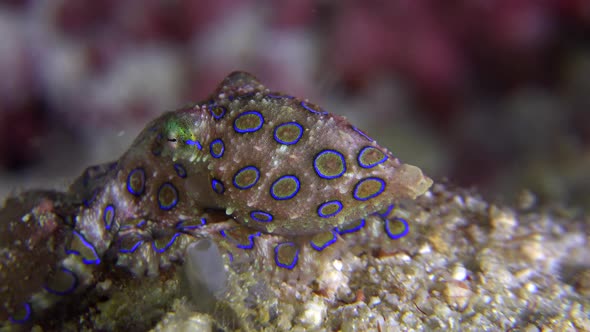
247	175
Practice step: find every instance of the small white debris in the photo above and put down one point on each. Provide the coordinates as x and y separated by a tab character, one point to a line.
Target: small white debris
457	294
502	220
533	250
313	313
459	272
425	249
530	287
337	264
459	201
373	301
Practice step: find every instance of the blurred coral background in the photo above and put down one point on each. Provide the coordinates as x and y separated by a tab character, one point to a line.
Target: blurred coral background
488	94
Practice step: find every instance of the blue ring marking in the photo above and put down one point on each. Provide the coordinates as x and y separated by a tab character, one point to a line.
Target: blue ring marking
168	245
249	130
27	306
356	187
293	177
88	245
174	202
180	170
67	291
385	214
273	96
137	244
108	223
217	186
217	117
340	206
248	246
358	227
304	105
132	250
213	154
363	165
142	175
285	124
88	202
195	143
295	258
267	215
182	228
362	133
394	236
317	170
325	245
250	185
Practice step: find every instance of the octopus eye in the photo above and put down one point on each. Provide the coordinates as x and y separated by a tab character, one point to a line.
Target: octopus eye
172	140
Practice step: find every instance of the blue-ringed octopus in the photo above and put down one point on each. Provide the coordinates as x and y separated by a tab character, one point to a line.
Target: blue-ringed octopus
277	166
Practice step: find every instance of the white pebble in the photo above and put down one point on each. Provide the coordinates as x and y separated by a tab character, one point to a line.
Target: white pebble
425	249
459	272
373	301
337	264
313	313
530	287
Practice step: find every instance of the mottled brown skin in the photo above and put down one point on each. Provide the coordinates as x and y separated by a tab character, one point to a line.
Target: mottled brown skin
53	244
240	93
